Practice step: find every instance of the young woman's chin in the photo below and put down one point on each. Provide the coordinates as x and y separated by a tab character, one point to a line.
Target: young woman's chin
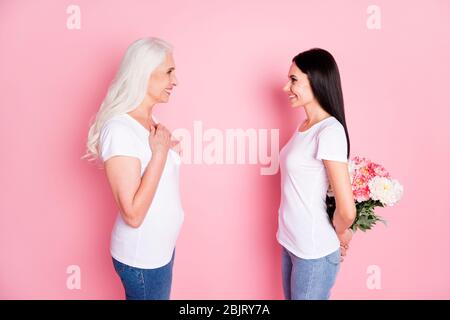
296	104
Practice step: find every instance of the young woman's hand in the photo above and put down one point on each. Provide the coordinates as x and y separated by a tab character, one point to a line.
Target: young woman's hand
344	239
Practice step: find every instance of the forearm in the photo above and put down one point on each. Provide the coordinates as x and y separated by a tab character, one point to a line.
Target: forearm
149	183
343	220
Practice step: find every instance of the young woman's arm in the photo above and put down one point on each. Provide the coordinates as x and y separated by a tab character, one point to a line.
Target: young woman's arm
345	212
132	193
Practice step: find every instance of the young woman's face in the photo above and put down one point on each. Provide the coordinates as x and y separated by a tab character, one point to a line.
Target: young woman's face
298	87
162	81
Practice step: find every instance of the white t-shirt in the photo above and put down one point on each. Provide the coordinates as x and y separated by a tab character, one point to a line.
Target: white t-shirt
303	224
151	245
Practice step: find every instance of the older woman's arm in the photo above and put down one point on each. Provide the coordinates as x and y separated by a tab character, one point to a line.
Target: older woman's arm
132	193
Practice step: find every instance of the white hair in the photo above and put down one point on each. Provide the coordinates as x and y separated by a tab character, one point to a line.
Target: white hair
128	89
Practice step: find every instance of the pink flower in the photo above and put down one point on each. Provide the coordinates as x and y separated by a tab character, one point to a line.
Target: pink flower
360	161
361	191
366	171
360	180
379	170
362	172
371	181
362	194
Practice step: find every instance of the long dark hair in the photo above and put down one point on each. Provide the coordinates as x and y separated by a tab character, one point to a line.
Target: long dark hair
325	81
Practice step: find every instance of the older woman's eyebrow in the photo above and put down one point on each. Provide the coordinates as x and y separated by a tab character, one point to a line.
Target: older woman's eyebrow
171	69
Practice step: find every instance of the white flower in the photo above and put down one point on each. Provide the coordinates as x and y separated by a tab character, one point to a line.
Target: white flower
387	191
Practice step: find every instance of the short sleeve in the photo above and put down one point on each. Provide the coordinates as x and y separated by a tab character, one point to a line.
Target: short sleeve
332	144
117	140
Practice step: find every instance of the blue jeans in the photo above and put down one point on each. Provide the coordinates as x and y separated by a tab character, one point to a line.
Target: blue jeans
145	284
309	279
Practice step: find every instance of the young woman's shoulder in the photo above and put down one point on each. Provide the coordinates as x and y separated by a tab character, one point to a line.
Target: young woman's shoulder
331	125
332	141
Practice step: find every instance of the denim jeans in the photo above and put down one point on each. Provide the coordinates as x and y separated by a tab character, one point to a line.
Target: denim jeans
309	279
145	284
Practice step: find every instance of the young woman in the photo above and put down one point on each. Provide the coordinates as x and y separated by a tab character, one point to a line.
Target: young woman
142	169
314	158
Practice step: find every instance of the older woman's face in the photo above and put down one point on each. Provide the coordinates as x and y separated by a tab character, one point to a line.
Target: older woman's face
298	87
162	81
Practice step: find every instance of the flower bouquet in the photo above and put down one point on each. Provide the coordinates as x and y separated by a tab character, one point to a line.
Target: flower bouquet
372	187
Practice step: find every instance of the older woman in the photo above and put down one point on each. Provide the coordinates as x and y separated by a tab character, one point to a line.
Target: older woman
142	169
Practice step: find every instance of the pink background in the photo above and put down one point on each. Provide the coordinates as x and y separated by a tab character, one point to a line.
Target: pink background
232	59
